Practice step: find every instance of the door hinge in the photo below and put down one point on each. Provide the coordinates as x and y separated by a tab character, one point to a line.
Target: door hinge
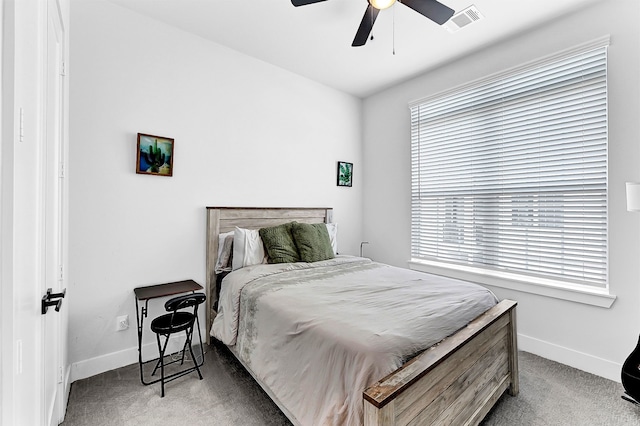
60	374
63	69
61	170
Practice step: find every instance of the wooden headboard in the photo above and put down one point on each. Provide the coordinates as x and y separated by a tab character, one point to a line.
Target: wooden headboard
225	219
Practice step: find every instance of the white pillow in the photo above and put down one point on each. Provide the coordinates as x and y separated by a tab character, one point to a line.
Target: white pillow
332	228
221	238
247	248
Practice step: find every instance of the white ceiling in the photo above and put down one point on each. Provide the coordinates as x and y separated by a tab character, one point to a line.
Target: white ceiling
315	40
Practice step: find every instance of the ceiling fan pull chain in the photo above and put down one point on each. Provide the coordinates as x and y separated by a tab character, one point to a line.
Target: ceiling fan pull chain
372	21
394	30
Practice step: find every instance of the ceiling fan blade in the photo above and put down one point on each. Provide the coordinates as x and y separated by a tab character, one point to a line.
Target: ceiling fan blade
365	27
297	3
432	9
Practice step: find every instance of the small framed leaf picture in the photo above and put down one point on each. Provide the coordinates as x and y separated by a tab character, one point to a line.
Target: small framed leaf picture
155	155
345	173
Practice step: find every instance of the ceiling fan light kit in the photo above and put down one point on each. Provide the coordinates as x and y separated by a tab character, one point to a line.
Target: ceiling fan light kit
381	4
432	9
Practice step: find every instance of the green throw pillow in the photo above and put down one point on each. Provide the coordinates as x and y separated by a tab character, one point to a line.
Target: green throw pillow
312	241
278	241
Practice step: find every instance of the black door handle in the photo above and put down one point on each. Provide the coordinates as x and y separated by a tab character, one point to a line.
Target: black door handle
48	300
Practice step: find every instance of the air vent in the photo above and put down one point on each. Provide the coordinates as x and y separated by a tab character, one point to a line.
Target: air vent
463	19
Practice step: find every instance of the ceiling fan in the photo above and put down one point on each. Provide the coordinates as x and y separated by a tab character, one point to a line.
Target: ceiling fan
432	9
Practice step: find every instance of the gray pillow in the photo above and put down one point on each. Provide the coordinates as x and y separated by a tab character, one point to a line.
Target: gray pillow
226	255
279	244
312	241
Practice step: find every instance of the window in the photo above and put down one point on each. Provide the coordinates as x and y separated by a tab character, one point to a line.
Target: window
510	174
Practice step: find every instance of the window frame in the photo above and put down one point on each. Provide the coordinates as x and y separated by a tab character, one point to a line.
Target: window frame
566	290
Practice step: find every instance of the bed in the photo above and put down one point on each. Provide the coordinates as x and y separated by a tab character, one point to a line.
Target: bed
455	381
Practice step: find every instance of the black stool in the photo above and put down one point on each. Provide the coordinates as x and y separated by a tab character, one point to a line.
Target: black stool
175	322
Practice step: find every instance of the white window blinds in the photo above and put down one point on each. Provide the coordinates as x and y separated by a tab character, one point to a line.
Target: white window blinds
511	174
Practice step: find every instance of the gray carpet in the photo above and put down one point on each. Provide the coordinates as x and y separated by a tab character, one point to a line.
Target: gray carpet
550	394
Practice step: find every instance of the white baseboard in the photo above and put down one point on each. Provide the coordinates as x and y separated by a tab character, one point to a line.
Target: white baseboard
90	367
580	360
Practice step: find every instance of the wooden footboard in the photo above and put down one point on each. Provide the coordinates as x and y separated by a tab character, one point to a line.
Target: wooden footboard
455	382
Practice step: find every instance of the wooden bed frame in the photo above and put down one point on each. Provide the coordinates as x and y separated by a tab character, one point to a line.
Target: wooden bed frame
456	381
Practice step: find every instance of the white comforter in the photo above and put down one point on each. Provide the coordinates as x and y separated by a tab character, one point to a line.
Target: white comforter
319	334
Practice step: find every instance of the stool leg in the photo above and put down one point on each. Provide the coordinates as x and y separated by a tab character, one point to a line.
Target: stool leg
193	356
161	350
153	373
201	346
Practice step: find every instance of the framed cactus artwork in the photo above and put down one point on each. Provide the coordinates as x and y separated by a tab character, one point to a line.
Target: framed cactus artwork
345	173
155	155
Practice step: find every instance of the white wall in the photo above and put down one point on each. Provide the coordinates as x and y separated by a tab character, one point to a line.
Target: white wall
591	338
246	134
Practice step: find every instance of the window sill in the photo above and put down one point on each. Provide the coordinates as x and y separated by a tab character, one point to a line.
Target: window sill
557	290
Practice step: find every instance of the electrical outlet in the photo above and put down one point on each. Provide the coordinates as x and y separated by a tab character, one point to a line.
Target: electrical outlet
122	322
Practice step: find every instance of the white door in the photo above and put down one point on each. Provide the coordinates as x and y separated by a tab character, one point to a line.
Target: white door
52	336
